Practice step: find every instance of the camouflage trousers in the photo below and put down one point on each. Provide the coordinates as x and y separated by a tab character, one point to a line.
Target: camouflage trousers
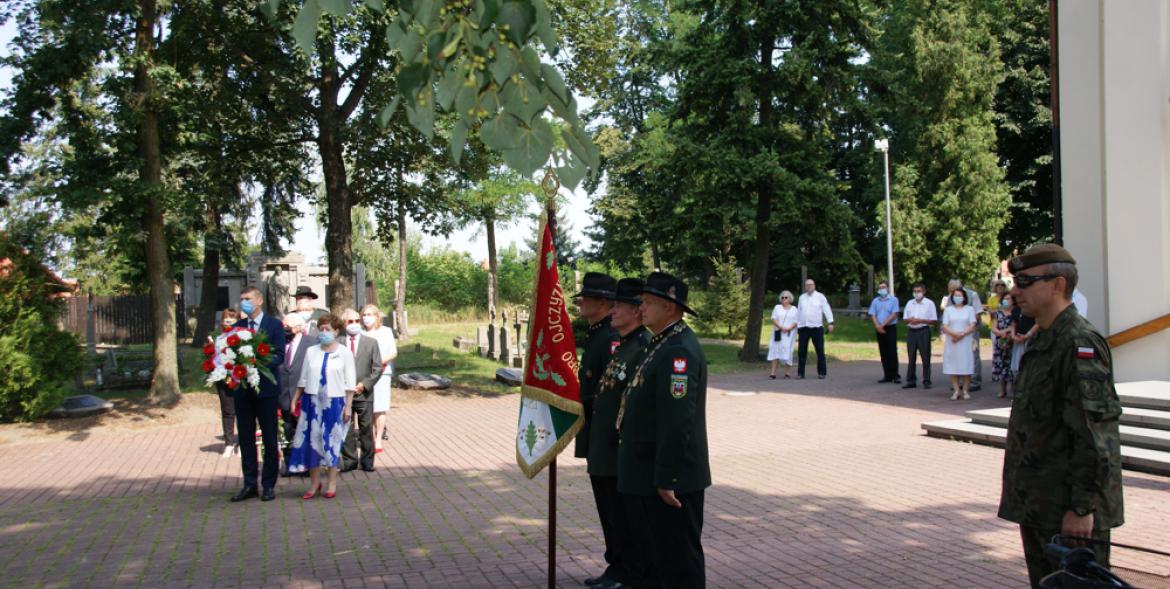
1039	566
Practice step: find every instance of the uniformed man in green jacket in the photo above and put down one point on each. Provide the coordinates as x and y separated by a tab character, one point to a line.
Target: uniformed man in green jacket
626	533
595	302
662	425
1062	466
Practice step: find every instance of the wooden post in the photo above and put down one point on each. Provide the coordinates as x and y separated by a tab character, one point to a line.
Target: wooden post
552	524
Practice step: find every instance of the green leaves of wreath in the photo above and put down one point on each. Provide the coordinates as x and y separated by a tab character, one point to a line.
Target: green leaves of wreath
477	59
539	372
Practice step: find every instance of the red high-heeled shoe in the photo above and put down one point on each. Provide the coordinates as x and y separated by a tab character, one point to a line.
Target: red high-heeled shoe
312	492
330	494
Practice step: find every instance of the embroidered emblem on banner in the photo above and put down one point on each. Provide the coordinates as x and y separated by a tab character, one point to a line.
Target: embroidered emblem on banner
680	365
678	386
1086	353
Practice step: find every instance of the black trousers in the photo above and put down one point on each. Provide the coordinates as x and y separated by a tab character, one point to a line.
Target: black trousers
888	347
678	546
364	416
918	344
1039	566
817	335
622	552
249	410
227	411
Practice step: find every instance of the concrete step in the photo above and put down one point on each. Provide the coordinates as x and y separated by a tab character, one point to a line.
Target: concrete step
1132	457
1132	416
1147	394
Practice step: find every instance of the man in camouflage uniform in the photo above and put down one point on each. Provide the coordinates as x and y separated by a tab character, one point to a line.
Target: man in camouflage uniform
662	454
1062	467
622	523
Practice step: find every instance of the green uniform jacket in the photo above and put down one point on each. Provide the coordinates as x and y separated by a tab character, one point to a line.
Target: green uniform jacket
663	418
599	346
603	434
1063	446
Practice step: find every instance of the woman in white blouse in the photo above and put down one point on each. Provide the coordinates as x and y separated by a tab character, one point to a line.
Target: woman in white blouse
372	322
325	391
958	326
784	322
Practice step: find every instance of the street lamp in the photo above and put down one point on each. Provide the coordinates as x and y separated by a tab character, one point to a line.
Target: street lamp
883	145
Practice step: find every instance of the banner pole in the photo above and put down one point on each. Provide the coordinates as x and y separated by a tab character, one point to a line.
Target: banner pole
552	524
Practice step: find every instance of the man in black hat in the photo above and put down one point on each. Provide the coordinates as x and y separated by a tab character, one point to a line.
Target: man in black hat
305	299
662	428
595	301
622	519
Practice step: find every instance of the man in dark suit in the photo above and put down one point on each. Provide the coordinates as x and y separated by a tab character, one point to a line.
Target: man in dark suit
254	405
627	545
662	424
367	361
299	340
595	301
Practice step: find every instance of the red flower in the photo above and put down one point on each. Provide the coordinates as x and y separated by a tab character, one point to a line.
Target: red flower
231	383
263	350
233	340
209	349
239	372
208	366
228	366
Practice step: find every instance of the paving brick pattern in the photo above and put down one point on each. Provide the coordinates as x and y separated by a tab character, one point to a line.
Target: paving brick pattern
817	484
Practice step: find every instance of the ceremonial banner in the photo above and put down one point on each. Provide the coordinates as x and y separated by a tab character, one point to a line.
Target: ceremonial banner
550	398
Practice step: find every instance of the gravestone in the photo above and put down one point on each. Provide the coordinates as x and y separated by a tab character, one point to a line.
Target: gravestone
854	296
491	341
504	345
81	406
510	376
481	340
462	344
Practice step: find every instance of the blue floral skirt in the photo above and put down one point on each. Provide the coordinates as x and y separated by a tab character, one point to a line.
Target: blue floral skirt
320	434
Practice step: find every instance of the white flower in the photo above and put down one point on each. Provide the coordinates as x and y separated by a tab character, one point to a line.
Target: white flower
253	377
247	351
245	335
216	375
229	354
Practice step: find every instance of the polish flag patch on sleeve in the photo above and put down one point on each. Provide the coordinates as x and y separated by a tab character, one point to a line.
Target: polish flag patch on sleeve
1086	353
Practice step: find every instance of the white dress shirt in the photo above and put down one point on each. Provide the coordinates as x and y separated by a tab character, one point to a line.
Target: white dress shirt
810	307
341	376
923	309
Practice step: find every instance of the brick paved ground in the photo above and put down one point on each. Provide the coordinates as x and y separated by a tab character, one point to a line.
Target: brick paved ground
817	484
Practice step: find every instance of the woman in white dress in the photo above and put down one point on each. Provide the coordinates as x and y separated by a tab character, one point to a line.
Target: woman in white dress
372	322
783	333
958	328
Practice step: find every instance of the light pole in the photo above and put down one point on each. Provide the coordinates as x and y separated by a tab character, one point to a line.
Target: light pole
883	145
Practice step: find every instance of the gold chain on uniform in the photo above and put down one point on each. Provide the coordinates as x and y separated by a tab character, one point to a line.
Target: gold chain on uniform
655	345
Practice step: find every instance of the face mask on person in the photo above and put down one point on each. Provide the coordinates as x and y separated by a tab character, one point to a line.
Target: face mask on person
247	306
369	320
958	299
306	315
1005	303
325	337
918	296
353	328
883	292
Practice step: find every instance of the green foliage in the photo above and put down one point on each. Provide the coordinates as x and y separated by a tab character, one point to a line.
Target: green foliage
937	72
723	306
39	359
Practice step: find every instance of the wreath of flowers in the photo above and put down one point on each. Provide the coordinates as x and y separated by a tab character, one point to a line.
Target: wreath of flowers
237	356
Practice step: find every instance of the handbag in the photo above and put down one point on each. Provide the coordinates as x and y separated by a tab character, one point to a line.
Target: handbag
777	334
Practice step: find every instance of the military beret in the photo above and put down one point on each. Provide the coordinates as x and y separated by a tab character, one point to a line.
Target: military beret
1045	253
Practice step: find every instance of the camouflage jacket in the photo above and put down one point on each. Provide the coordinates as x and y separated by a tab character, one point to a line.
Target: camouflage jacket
1063	446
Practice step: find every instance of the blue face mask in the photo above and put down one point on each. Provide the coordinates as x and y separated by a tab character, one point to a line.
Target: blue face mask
247	306
883	292
325	338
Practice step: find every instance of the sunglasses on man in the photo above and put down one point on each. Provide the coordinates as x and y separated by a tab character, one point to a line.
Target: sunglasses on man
1027	280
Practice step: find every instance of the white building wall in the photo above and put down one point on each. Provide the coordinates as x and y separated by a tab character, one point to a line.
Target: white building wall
1115	152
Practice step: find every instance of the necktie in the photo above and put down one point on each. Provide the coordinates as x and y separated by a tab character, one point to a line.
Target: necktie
251	325
352	349
288	352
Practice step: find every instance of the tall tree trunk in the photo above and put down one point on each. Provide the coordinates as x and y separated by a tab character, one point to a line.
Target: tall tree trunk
759	270
164	384
400	288
654	256
205	320
339	204
493	266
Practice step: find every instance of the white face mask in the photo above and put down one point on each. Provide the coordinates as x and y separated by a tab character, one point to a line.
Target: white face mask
353	328
959	300
306	315
369	320
918	296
